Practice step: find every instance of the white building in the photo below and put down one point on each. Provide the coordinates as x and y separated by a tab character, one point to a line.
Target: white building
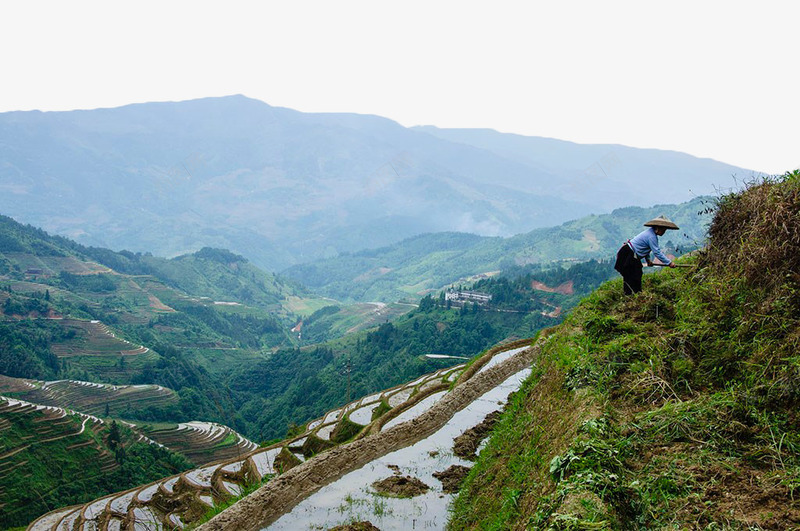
467	296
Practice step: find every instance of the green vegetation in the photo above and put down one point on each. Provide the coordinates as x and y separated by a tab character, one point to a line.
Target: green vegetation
219	507
423	263
333	321
675	408
236	363
136	327
25	348
48	462
300	384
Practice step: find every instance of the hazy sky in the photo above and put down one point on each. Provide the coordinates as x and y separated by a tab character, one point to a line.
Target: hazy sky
715	79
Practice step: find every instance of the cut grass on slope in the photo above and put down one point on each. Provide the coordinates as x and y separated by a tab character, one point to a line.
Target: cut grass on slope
622	427
695	388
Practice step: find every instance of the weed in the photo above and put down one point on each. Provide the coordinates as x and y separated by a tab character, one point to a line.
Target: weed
247	489
382	408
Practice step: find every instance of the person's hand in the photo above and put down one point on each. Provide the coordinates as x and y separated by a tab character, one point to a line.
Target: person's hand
672	264
649	263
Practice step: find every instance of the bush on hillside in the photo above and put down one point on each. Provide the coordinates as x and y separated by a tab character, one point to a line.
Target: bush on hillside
749	281
755	234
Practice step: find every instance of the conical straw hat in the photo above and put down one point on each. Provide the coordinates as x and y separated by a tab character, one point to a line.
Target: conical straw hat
661	221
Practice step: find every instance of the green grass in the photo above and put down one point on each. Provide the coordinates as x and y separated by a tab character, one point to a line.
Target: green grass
227	441
227	502
671	409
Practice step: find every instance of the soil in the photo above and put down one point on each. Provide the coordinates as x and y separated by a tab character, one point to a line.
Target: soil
466	445
282	493
729	491
356	526
565	288
285	460
400	486
452	478
749	496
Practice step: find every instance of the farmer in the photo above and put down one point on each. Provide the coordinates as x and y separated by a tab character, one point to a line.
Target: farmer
629	256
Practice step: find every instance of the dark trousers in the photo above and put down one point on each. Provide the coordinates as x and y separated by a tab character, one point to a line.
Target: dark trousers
630	267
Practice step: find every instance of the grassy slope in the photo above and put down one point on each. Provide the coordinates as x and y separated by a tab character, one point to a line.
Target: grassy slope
672	409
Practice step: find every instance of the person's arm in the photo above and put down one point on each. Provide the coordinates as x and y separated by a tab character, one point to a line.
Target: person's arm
657	252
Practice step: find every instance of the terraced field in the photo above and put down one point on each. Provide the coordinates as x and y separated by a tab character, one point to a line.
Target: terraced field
202	442
374	425
31	436
93	338
90	398
53	265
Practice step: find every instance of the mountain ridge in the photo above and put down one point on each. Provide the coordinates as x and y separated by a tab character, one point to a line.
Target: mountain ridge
408	269
276	185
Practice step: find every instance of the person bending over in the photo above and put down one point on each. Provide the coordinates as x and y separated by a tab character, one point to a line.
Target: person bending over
630	255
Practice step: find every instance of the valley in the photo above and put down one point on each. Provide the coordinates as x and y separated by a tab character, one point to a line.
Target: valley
175	351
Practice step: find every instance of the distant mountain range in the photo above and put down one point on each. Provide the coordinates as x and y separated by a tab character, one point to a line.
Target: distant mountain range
283	187
412	267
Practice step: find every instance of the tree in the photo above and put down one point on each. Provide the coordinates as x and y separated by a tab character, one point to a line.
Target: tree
113	435
426	304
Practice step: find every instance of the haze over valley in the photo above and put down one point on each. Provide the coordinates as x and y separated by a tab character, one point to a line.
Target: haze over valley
283	187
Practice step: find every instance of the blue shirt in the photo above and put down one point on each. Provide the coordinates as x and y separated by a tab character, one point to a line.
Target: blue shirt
646	242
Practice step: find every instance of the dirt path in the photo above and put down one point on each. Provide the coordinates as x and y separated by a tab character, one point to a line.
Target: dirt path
281	494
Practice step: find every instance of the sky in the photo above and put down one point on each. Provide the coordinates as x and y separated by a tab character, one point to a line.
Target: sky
715	79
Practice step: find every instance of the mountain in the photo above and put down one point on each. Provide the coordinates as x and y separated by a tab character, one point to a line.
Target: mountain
52	457
91	314
217	330
283	187
412	267
204	336
606	175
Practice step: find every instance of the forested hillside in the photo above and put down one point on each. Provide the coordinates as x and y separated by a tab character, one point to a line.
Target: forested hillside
296	384
128	318
91	314
49	459
414	266
98	316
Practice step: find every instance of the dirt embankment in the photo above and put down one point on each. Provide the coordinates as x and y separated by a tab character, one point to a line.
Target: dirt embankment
357	526
466	445
452	478
565	288
400	486
280	495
